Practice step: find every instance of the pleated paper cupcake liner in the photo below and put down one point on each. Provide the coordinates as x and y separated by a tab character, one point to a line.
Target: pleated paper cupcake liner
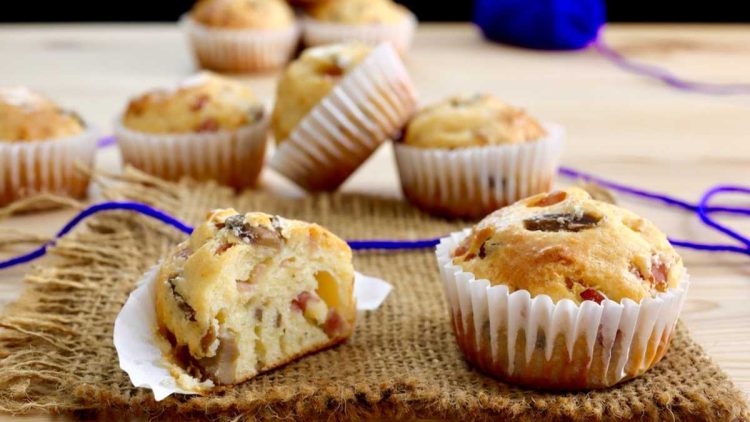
535	342
234	158
46	166
371	104
473	182
238	51
400	35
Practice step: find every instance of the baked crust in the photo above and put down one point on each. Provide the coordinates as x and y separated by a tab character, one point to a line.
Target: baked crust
568	246
243	14
203	103
308	80
358	12
465	121
26	115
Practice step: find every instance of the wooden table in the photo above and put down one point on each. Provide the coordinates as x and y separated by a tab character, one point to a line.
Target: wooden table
620	126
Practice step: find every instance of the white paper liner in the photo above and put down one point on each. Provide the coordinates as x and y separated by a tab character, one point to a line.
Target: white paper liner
400	35
240	50
370	105
234	158
135	332
628	337
46	166
473	182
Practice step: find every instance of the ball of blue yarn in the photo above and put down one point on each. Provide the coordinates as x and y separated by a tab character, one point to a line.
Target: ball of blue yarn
541	24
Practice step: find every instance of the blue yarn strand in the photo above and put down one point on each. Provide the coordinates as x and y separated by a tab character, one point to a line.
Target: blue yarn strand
703	210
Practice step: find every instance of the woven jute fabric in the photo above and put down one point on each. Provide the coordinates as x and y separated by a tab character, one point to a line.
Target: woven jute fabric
57	354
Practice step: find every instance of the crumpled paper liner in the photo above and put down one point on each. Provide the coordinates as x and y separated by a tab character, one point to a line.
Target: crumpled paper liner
137	346
399	35
46	166
240	50
231	157
370	104
473	182
535	342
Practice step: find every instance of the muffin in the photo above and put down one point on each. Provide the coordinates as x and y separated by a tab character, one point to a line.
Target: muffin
208	127
468	155
366	21
334	106
561	291
247	293
241	35
40	146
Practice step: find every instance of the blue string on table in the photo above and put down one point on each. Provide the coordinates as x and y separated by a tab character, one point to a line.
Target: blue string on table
702	209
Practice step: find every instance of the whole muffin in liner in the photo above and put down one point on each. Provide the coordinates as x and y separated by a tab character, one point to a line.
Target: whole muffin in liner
369	105
240	50
399	35
536	342
231	157
472	182
46	166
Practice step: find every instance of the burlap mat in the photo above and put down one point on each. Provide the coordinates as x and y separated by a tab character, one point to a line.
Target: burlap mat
57	353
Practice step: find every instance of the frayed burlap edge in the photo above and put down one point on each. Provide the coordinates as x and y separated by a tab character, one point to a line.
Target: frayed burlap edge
56	354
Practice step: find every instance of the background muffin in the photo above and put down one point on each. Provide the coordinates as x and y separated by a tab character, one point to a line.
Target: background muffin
573	292
208	127
468	155
308	80
334	106
367	21
242	35
40	144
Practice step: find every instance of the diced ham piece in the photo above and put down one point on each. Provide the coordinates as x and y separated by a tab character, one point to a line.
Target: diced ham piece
592	294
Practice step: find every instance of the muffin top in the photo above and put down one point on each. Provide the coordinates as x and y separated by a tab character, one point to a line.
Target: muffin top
202	103
243	14
470	121
358	12
568	246
309	79
28	116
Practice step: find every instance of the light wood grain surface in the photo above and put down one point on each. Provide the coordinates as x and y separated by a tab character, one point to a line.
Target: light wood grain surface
619	125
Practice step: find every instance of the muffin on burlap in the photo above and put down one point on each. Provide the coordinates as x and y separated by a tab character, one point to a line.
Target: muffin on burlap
241	35
208	127
40	144
561	291
368	21
334	106
247	293
468	155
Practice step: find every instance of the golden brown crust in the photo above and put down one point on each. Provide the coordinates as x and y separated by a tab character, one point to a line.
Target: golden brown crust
243	14
308	80
465	121
203	103
358	12
28	116
568	246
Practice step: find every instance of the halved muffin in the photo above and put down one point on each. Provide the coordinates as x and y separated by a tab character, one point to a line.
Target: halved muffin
247	293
